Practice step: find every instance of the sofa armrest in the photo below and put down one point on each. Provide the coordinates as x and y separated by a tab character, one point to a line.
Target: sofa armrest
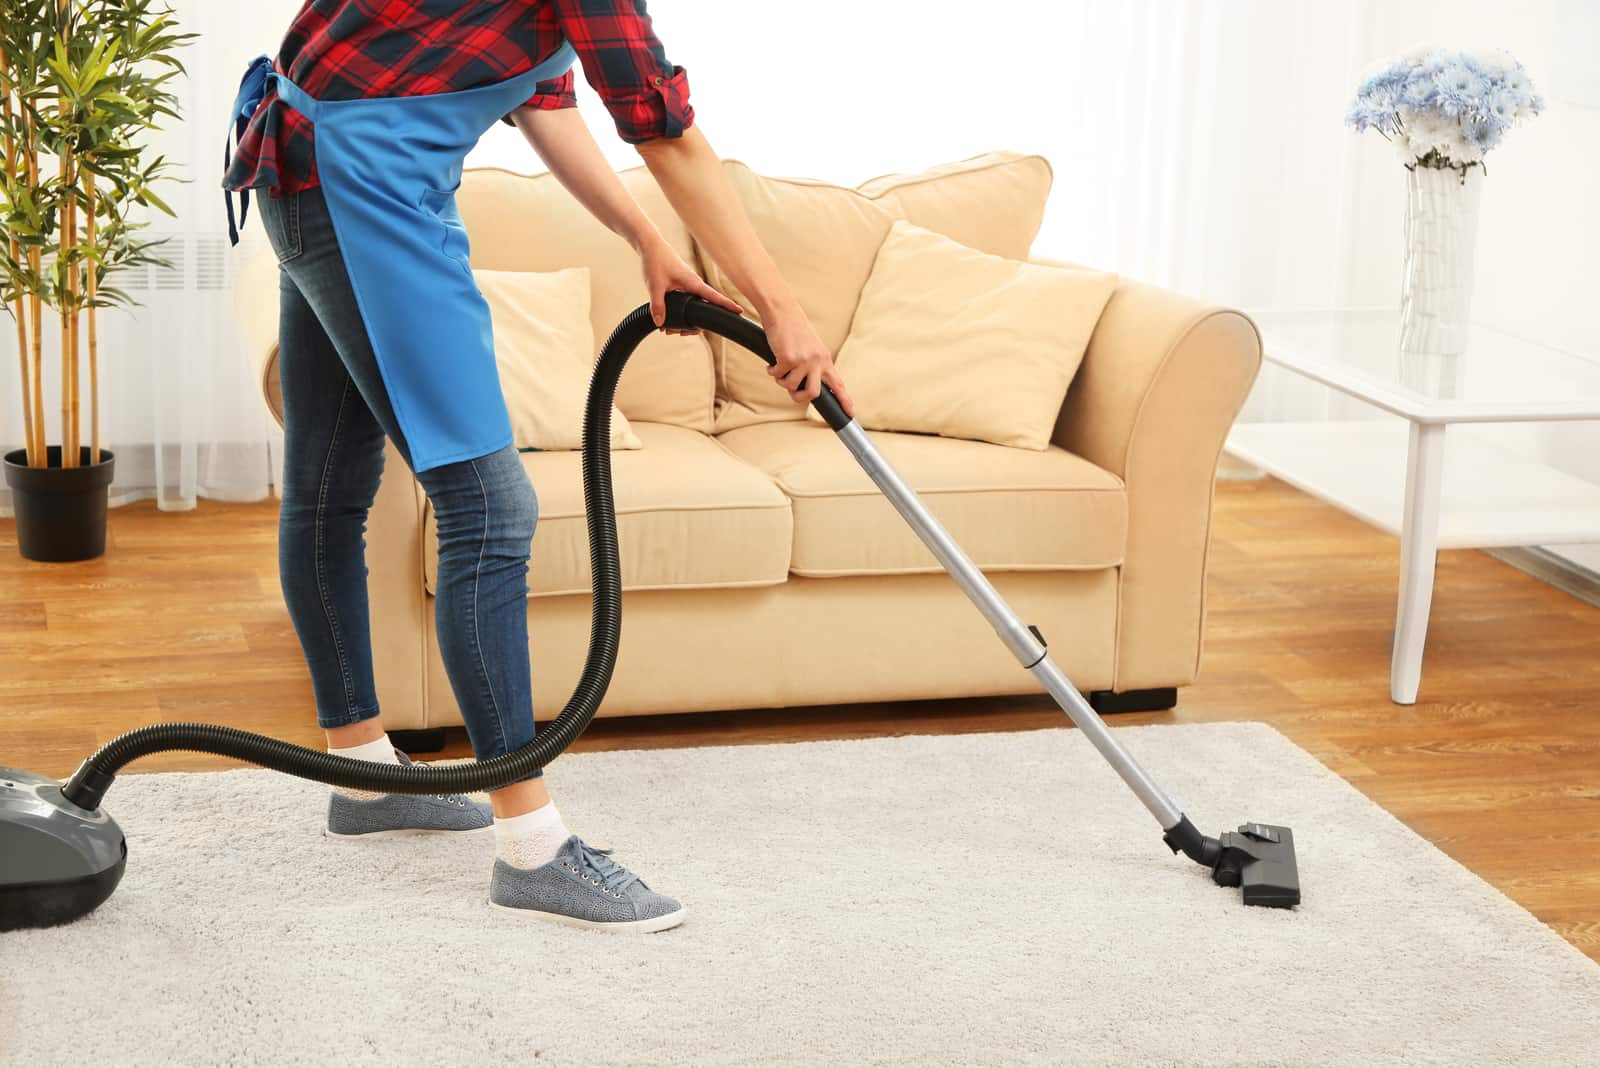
255	306
1162	380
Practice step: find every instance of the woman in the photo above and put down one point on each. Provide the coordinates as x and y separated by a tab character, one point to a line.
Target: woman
358	130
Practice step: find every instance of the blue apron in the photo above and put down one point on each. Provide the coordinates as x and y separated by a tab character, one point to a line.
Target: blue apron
389	168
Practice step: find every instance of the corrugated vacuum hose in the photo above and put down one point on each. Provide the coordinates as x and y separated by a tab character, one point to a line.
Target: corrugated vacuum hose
63	856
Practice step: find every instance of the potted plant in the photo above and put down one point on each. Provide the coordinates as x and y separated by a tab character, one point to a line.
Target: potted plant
81	81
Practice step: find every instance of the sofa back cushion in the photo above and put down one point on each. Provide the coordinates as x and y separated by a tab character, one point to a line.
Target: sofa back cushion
531	223
544	354
993	202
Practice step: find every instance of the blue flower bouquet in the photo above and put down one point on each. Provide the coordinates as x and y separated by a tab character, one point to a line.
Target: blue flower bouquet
1444	108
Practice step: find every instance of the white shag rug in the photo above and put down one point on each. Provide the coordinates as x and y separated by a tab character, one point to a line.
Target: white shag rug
972	899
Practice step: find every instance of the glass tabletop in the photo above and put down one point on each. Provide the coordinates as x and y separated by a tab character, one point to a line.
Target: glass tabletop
1500	376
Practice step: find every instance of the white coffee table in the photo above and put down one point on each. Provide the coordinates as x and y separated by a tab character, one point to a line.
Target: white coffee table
1396	475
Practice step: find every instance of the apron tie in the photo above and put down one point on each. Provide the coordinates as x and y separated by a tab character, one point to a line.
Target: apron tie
252	88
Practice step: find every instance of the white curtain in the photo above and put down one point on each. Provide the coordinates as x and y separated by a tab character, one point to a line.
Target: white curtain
1197	144
178	404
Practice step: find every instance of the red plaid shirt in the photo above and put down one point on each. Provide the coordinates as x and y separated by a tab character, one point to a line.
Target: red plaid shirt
348	49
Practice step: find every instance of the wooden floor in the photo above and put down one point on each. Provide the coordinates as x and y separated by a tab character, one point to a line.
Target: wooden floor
1498	763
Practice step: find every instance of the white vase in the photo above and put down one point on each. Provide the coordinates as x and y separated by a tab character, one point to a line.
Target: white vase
1441	232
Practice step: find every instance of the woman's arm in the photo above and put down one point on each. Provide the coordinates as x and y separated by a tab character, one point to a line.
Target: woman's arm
691	176
565	145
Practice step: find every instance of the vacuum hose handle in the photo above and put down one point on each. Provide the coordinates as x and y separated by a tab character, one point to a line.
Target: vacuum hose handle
688	312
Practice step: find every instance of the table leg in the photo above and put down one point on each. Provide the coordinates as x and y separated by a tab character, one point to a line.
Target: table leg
1419	545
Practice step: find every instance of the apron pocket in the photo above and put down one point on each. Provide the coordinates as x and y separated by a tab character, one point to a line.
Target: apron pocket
453	241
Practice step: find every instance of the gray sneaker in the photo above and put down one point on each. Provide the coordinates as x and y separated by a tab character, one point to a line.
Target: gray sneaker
394	815
584	887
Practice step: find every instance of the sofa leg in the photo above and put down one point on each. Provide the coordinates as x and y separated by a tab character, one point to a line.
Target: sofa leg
1106	702
431	740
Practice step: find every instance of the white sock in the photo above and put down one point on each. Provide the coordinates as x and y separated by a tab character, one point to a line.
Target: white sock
379	751
532	839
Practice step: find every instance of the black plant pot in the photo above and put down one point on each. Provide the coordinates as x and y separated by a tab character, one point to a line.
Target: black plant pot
61	511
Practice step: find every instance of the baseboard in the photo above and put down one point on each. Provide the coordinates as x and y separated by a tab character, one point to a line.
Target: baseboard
1558	571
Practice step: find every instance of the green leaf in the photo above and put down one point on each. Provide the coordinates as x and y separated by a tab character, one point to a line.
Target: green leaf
65	72
148	197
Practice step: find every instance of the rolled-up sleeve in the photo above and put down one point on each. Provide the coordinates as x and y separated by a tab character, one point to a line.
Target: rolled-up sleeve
623	60
549	96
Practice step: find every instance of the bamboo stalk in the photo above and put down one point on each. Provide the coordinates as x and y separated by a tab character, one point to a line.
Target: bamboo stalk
30	153
36	337
36	308
29	445
94	352
68	238
68	456
69	310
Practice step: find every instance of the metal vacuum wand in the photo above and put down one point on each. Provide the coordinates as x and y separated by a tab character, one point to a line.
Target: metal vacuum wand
1259	857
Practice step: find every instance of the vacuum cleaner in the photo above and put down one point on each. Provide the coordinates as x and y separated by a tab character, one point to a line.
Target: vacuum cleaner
62	855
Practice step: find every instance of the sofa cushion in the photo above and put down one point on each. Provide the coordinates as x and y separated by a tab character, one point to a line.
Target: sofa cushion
689	514
544	354
993	202
822	238
949	340
519	222
1010	509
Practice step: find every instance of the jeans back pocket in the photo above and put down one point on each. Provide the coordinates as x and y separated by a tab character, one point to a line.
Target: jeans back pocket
280	217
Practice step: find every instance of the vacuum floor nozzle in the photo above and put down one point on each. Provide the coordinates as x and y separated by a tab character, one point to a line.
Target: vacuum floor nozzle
1259	859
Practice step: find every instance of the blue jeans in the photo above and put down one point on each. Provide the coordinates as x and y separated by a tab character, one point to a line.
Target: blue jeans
336	413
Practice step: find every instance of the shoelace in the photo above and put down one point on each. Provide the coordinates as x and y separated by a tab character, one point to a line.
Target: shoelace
614	878
452	799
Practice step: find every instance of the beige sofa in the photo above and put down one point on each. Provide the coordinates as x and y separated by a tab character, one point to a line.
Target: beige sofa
760	568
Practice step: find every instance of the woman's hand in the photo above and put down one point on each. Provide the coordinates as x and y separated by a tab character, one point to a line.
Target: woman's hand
804	362
665	270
